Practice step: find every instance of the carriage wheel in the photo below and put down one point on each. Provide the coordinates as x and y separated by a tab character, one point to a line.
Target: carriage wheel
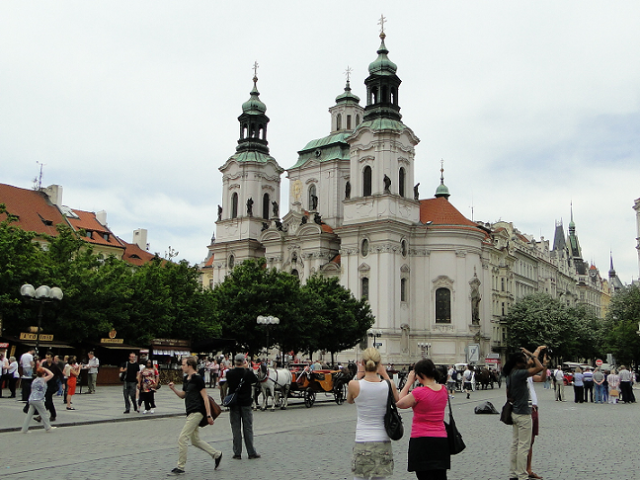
341	393
309	398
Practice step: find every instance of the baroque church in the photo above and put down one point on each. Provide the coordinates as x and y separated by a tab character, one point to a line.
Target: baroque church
355	212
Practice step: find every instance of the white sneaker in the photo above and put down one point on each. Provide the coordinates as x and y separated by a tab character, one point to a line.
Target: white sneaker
52	428
145	411
152	411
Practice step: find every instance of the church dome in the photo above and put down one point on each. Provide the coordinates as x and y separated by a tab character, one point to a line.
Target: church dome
254	105
442	191
382	65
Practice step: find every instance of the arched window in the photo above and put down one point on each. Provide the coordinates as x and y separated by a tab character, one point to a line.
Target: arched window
265	206
401	181
252	131
364	283
232	261
338	122
348	122
394	95
403	248
357	120
443	305
312	193
234	205
366	181
365	247
374	94
294	272
261	132
403	289
243	132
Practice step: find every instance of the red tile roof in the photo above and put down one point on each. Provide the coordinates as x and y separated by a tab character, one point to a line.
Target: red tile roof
35	212
134	255
441	212
209	261
326	228
88	221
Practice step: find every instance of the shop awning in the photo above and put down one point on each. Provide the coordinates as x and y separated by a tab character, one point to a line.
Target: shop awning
171	351
43	346
117	346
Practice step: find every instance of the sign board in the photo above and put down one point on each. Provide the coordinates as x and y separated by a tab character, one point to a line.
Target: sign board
4	345
112	340
599	362
33	337
170	342
473	353
492	360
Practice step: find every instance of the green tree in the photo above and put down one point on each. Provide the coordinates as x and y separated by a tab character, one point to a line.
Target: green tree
621	325
539	319
340	321
251	290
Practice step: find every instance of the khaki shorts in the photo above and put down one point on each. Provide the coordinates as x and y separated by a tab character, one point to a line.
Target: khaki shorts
372	459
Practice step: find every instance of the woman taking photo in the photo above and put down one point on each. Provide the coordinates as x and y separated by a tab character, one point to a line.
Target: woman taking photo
72	380
147	383
428	446
372	455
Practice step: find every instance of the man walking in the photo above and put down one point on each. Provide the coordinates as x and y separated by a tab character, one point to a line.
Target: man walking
92	366
241	415
469	375
197	405
558	375
130	370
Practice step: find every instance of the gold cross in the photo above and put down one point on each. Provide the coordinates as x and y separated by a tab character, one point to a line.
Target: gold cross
255	68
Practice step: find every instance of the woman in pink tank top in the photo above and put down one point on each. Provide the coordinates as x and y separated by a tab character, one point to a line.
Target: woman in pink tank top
428	447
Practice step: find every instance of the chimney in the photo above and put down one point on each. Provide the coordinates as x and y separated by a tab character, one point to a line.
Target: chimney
101	216
54	192
140	238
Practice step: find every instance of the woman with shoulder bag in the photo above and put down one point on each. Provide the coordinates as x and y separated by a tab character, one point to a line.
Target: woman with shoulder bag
372	453
429	446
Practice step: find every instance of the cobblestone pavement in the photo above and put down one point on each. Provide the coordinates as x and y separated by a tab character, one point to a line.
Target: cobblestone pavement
577	441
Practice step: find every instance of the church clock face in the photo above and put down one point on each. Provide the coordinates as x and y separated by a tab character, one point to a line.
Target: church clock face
297	190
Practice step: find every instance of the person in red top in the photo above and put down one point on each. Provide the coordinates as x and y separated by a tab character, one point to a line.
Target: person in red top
428	447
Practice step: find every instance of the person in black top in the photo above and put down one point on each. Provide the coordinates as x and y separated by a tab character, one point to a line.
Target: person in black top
52	386
196	402
131	369
240	414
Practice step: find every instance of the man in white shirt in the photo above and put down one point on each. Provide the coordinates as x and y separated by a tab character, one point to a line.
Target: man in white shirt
26	362
92	365
625	385
558	375
451	380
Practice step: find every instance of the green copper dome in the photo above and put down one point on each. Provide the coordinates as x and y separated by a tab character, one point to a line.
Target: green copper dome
442	191
254	105
347	96
382	65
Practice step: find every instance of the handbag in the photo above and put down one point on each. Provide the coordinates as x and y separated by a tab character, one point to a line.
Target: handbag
507	409
232	399
215	410
456	444
392	419
614	392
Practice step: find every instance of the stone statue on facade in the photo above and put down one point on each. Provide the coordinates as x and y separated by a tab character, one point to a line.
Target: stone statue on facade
416	192
275	208
219	213
387	184
250	207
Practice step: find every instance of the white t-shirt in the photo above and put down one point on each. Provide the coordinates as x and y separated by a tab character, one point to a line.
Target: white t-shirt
532	392
559	374
26	360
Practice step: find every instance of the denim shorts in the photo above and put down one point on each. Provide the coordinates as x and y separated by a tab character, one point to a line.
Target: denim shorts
372	459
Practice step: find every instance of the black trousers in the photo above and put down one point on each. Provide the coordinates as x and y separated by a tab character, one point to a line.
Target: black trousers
432	475
588	391
578	394
48	402
627	392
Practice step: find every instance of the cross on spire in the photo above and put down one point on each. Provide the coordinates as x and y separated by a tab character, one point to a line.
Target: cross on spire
381	23
348	72
442	171
255	70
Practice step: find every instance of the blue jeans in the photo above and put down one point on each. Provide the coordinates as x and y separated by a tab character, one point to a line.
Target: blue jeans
600	393
242	416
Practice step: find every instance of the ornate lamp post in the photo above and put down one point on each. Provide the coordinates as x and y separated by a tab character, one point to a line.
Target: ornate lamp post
43	294
375	333
268	321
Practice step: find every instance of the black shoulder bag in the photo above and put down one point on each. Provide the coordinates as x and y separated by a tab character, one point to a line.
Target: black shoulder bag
456	444
232	399
507	409
392	419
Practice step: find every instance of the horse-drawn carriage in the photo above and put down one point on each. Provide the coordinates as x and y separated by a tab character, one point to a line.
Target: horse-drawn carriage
301	383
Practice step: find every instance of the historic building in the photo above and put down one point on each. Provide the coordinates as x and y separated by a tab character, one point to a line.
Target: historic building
438	283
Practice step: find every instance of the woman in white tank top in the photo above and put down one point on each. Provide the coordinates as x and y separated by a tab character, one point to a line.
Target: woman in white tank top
372	455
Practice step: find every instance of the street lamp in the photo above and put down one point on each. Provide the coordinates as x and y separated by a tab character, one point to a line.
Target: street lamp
424	347
42	294
268	321
375	333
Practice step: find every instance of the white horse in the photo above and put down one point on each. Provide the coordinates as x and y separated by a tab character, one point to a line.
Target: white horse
274	382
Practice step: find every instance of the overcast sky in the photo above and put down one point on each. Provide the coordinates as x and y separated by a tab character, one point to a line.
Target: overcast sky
133	106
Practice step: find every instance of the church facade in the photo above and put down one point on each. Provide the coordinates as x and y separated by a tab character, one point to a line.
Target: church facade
355	212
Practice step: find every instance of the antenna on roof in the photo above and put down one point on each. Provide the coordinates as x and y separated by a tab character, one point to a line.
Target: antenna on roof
472	207
37	181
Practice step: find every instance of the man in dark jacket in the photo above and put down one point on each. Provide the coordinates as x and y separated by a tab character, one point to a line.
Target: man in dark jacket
240	414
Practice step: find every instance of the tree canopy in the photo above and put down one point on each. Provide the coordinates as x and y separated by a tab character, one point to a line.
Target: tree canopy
621	325
570	332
